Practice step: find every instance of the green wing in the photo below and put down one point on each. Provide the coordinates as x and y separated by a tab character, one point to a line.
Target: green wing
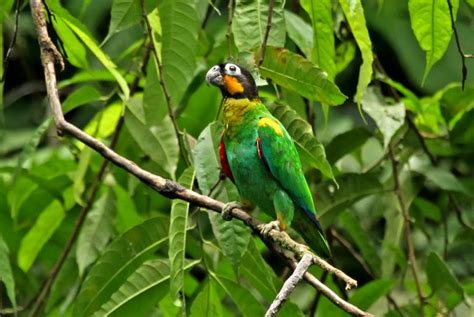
279	153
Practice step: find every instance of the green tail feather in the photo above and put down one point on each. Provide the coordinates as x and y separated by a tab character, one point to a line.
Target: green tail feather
312	233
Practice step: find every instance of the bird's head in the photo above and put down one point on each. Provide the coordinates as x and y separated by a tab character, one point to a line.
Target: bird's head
233	80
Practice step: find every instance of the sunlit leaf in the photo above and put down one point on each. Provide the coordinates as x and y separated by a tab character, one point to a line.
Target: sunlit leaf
96	231
177	234
75	50
6	274
431	23
118	261
250	22
296	73
81	96
354	14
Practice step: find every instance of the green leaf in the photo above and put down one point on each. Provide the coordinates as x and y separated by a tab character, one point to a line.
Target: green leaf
6	274
127	215
431	23
393	232
345	54
124	14
301	132
153	95
243	299
177	234
104	123
440	276
250	21
233	236
47	223
158	141
179	23
142	290
81	96
323	51
80	174
118	261
354	13
75	50
207	302
299	32
81	32
296	73
368	294
96	231
389	118
346	143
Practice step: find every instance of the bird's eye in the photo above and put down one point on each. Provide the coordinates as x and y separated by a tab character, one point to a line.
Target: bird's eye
232	69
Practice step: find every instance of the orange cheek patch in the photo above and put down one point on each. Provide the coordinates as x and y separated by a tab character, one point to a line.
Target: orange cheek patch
232	85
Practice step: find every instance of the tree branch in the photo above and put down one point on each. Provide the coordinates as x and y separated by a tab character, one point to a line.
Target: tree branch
271	4
228	34
290	284
407	227
458	44
166	187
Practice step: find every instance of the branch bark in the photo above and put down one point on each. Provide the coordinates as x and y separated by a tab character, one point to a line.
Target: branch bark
166	187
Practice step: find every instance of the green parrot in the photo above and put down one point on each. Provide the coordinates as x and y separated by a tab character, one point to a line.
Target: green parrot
259	156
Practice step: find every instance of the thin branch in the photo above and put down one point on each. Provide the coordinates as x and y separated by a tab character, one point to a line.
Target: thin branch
317	298
228	34
164	85
12	41
458	211
166	187
422	141
458	44
290	284
271	4
407	227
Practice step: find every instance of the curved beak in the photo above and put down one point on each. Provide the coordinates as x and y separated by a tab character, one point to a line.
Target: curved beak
214	76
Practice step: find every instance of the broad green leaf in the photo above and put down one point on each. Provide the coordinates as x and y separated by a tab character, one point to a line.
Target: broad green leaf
431	23
250	21
299	32
354	13
368	294
440	275
177	234
142	290
302	134
243	299
124	14
91	75
157	141
82	33
463	131
296	73
352	187
233	236
64	286
323	51
6	274
47	223
389	118
154	102
362	239
346	143
179	23
104	123
118	261
96	231
207	302
127	215
80	174
81	96
75	50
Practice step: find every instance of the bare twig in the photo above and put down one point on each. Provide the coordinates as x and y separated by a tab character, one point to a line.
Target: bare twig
165	187
271	4
407	227
290	284
228	34
346	244
164	86
458	44
12	41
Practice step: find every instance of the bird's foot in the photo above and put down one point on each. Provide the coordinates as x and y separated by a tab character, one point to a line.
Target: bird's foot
227	210
267	227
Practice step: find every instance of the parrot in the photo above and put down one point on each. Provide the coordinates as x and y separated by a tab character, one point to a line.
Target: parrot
258	155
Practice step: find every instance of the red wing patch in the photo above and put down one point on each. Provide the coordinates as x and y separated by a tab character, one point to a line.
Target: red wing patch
260	154
224	163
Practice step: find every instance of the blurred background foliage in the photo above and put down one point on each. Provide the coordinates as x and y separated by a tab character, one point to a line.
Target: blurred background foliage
401	153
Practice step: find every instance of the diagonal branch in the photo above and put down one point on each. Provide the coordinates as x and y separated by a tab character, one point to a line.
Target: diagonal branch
290	284
166	187
271	4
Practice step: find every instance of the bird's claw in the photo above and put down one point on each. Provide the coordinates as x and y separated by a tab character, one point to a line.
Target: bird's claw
266	228
227	210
